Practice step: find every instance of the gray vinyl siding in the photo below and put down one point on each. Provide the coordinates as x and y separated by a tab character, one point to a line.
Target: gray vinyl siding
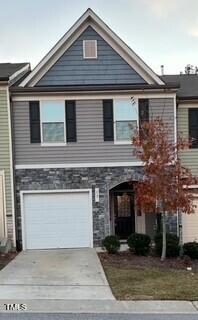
5	148
189	157
163	108
90	146
73	69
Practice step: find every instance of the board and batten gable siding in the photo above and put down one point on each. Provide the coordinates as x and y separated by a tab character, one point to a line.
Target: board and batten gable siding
189	157
90	146
108	68
5	148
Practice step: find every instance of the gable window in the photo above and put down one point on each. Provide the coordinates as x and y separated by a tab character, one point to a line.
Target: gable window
52	115
89	49
193	126
125	119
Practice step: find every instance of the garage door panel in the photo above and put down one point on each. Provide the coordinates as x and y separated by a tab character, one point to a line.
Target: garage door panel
57	220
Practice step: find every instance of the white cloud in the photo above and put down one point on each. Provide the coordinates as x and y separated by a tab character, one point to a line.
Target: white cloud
193	31
162	8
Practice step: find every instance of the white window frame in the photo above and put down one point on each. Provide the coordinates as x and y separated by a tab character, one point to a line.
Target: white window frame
129	142
52	144
96	49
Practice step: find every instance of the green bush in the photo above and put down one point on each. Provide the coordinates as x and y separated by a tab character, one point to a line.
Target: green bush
111	244
172	244
191	249
139	243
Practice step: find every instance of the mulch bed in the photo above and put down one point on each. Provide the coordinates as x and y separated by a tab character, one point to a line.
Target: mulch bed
127	258
5	258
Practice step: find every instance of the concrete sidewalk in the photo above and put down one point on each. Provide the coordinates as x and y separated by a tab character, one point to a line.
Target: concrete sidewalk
105	306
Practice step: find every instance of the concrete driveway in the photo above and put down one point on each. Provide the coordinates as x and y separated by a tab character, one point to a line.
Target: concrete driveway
55	274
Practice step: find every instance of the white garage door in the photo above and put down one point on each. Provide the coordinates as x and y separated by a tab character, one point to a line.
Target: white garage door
57	220
190	225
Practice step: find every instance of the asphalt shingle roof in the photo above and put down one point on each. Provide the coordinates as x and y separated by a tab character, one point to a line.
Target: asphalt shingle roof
8	69
188	84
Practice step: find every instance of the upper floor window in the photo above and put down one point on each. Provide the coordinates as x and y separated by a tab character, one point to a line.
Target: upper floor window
52	121
125	119
193	126
89	49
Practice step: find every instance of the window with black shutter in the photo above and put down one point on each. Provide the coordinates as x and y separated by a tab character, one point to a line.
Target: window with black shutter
70	111
108	120
193	127
34	114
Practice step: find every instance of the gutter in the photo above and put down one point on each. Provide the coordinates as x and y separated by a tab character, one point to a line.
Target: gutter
4	80
81	88
188	98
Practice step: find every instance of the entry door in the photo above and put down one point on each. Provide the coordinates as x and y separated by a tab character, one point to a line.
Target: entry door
124	214
2	221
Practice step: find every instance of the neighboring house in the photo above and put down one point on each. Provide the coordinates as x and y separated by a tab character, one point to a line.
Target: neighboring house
72	119
9	73
187	122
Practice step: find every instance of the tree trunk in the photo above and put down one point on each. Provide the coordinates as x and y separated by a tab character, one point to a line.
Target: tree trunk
163	256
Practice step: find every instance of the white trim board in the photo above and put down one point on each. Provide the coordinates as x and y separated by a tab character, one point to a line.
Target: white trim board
3	205
92	96
192	186
175	119
78	165
90	18
18	72
23	192
188	105
11	168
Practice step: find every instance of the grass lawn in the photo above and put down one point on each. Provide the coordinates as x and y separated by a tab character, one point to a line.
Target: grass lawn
133	282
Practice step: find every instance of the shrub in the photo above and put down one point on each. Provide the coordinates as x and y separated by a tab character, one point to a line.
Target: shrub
172	244
139	243
111	244
191	249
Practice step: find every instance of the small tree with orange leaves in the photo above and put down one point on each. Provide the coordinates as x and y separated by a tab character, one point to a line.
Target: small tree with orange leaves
163	188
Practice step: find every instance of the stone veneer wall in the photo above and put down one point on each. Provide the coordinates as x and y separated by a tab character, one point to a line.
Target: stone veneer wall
79	178
76	178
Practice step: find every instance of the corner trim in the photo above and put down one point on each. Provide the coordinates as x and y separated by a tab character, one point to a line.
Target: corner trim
11	167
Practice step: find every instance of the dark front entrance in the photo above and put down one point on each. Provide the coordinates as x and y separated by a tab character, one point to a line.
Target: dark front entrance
122	211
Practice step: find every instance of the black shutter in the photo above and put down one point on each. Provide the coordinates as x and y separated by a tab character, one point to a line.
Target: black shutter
143	115
70	112
193	127
34	112
108	120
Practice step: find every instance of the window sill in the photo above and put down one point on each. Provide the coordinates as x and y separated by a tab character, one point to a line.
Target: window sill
53	144
123	142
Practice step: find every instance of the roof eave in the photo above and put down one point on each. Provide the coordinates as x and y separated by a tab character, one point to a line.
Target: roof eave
186	98
4	79
92	88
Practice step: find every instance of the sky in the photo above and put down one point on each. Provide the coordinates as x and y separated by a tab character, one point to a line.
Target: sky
159	31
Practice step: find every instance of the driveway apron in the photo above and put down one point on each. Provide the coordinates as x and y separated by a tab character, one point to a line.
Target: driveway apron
55	274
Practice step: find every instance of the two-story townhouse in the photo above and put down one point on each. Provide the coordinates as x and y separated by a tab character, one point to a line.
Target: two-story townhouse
187	122
9	74
72	121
